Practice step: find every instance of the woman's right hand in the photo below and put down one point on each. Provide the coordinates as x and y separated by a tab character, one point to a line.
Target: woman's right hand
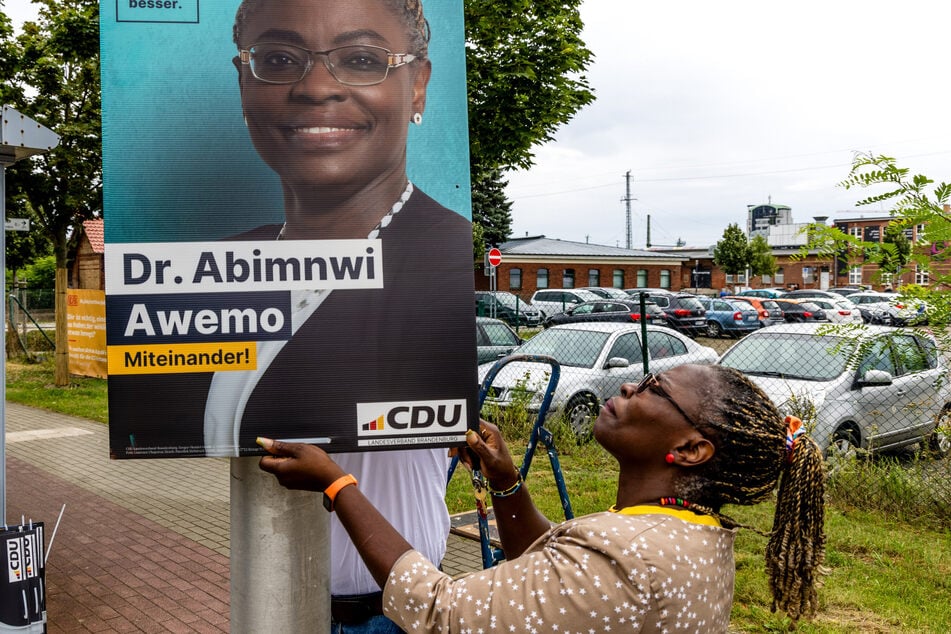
299	466
496	461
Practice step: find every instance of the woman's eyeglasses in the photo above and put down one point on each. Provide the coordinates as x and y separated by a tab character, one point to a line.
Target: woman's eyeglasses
277	63
650	382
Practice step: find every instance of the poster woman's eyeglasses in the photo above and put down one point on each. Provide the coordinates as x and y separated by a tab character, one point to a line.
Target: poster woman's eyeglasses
276	63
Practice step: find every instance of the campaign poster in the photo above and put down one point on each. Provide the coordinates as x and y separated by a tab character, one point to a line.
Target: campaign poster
287	224
86	332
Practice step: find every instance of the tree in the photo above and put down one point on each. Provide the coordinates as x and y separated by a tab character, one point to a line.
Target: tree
491	210
762	261
732	252
525	62
896	249
57	78
916	200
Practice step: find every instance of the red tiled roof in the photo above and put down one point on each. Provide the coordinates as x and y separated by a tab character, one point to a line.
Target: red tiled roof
94	232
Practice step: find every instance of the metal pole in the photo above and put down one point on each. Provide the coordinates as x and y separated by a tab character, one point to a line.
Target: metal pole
3	366
627	199
643	308
280	555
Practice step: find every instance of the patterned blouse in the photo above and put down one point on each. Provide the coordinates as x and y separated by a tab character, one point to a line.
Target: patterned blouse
641	569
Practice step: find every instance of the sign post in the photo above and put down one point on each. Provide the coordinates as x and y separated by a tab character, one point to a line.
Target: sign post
23	559
494	257
20	137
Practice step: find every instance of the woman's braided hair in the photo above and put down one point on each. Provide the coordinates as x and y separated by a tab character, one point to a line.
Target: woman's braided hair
749	434
410	13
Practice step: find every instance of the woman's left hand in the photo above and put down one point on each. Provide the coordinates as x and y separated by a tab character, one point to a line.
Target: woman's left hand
298	465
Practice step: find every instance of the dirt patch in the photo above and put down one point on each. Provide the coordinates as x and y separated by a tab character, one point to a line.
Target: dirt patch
853	619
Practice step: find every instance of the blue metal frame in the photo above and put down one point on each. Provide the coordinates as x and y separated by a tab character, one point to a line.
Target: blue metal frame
491	556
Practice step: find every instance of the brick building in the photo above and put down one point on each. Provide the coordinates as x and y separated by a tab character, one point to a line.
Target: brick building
89	264
537	262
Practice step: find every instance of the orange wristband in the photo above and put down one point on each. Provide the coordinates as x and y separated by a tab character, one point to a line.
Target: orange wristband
330	493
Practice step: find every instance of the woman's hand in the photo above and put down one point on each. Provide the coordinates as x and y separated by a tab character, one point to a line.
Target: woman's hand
496	461
299	466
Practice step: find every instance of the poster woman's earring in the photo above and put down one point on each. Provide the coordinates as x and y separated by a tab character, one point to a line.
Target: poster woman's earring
418	118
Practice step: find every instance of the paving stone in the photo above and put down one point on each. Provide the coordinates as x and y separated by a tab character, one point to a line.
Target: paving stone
144	544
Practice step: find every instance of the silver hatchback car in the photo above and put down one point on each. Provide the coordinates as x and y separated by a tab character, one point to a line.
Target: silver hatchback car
871	388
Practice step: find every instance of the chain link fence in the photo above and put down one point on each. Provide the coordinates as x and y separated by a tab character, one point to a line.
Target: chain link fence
875	399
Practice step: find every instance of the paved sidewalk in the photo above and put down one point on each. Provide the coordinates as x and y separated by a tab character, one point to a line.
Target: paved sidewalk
144	544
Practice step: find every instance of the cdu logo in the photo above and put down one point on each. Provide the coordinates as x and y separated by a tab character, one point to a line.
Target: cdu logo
412	418
14	559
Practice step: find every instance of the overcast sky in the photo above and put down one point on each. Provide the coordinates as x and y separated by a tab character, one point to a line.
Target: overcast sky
714	106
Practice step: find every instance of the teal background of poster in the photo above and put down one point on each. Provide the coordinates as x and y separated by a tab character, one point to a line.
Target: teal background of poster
177	161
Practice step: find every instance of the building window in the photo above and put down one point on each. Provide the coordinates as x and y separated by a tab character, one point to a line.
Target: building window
541	278
808	275
568	279
887	279
855	275
780	277
922	275
767	280
920	234
641	278
855	232
594	277
515	279
729	278
618	278
665	278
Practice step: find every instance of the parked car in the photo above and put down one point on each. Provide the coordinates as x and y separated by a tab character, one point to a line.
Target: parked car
510	308
769	311
635	292
607	292
554	301
622	310
800	310
684	312
494	339
809	293
768	293
733	317
880	388
889	309
845	291
874	307
838	311
595	360
908	311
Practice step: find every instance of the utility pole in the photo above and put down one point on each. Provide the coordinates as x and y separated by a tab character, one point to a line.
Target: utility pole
627	199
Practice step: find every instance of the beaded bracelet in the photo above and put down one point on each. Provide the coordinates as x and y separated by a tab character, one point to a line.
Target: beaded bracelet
507	492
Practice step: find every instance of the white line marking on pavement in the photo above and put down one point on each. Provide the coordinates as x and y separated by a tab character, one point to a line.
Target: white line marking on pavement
44	434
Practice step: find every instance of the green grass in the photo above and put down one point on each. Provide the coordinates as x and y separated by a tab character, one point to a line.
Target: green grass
32	384
885	575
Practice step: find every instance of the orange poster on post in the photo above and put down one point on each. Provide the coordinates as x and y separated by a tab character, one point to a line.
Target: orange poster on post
86	331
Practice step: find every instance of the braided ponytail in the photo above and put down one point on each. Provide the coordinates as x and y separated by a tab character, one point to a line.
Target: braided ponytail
751	457
796	548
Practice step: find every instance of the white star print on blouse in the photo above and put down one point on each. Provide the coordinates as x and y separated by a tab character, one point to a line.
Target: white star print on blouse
600	573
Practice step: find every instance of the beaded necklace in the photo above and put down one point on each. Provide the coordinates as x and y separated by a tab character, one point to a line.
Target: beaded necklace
684	514
384	221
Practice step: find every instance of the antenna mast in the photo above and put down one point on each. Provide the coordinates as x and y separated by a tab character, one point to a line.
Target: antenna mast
627	199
